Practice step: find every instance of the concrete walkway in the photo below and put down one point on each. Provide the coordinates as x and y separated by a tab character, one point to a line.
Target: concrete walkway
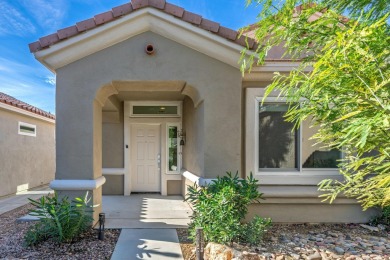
147	244
12	202
146	211
148	223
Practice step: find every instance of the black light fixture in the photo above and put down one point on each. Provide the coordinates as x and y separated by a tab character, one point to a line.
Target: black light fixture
102	219
182	136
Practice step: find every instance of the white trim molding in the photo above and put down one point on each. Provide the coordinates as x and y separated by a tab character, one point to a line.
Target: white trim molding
113	171
33	133
266	71
147	19
77	184
26	113
196	179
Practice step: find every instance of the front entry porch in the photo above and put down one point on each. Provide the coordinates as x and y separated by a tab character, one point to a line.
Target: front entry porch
146	211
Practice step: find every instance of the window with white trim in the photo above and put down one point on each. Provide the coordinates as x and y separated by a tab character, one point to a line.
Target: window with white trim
173	149
281	147
27	129
155	109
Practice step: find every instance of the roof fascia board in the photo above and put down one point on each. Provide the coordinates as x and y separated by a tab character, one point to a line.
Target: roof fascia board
148	19
26	113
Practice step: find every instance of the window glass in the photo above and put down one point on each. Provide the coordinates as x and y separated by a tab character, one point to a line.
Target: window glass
314	155
27	129
155	110
172	149
277	139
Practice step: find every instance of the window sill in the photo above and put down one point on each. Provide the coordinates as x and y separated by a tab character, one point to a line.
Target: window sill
296	178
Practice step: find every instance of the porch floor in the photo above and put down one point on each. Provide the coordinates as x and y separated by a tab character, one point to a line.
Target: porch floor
146	211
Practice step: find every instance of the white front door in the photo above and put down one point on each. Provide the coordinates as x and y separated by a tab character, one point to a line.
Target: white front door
145	158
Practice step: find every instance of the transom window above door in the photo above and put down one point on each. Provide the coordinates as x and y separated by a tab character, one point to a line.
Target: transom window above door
155	109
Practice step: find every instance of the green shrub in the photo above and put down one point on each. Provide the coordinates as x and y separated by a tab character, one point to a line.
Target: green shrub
60	220
252	232
220	207
383	218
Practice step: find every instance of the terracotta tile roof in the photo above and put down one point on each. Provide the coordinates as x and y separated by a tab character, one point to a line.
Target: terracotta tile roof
6	99
133	6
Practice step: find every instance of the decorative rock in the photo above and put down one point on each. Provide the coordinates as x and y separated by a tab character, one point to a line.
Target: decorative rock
268	255
248	256
381	227
214	251
370	227
339	250
330	233
315	256
279	257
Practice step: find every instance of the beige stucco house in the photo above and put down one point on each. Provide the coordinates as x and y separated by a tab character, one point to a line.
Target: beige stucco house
150	98
27	146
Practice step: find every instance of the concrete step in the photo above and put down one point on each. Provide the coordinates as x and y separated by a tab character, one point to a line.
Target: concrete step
158	244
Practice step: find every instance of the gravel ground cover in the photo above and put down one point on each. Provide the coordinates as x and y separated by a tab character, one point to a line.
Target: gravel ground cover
306	241
85	247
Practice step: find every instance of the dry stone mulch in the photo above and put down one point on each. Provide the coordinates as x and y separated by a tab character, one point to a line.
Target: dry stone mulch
85	247
316	242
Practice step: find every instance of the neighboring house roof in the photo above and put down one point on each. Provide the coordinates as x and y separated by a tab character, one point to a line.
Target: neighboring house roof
133	6
6	99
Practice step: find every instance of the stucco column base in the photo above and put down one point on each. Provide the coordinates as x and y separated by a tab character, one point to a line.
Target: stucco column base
79	188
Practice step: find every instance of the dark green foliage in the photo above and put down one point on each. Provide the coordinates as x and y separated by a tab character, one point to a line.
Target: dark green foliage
60	220
252	232
383	218
220	208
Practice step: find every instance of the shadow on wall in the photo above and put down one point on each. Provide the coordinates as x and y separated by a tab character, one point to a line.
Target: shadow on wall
277	143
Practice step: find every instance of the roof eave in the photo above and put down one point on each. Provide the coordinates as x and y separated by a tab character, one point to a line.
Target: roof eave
147	19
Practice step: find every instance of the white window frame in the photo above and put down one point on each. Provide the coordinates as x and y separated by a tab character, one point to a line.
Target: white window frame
269	176
178	104
178	170
20	124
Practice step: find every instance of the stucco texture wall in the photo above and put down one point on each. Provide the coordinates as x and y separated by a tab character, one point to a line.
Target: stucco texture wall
218	84
112	143
25	161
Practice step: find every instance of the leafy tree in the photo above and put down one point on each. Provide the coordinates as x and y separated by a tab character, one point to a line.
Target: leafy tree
346	92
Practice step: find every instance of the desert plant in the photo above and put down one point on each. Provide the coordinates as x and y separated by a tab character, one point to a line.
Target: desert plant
220	207
59	219
252	232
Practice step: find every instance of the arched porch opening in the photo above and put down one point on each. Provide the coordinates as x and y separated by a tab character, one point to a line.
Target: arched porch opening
123	137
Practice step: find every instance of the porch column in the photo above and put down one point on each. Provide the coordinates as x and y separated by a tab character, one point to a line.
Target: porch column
79	150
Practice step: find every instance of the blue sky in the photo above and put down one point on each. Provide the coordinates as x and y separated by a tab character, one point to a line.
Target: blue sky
25	21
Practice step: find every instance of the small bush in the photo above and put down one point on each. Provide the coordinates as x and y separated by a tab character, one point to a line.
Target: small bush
383	218
220	208
252	232
60	220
